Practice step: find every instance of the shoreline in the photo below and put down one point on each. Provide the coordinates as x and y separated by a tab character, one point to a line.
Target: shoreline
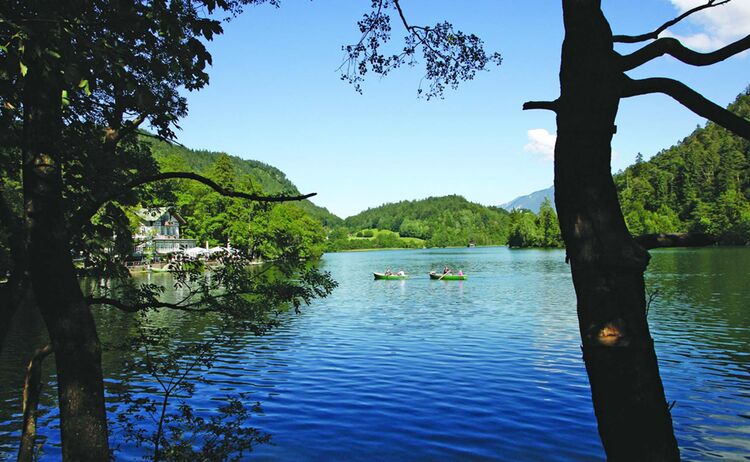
411	248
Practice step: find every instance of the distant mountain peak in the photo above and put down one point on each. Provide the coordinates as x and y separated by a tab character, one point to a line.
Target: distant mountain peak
531	201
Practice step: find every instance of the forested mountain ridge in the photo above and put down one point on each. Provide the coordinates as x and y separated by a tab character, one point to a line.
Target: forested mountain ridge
440	221
267	178
532	201
701	184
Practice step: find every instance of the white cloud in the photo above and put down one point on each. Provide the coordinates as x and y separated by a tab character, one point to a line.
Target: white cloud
541	142
698	42
720	25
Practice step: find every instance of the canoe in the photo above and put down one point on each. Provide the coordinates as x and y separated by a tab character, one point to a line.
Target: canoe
448	277
389	276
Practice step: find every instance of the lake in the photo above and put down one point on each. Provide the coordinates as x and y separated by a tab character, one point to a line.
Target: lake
484	369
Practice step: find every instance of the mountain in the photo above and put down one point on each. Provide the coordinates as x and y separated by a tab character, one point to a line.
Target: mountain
270	179
701	184
531	201
440	221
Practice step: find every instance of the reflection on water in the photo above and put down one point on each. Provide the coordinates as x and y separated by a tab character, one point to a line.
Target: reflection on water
484	369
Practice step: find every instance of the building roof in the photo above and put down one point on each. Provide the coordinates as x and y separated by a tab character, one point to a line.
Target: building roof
154	213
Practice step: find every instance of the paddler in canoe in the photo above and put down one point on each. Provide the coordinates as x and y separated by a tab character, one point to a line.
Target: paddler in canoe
388	274
448	275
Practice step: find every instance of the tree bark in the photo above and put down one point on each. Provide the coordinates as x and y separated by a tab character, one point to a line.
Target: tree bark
607	265
54	283
655	241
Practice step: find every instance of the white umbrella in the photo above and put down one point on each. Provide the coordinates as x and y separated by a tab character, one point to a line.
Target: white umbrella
196	251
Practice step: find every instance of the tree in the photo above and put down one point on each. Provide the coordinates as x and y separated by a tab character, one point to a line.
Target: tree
607	264
523	229
548	225
77	80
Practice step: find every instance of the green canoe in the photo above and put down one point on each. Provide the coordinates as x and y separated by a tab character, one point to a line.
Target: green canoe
448	277
389	276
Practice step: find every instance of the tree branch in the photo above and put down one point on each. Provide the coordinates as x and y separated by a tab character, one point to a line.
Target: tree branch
136	307
113	136
654	241
691	100
161	138
655	33
202	179
89	212
676	49
32	389
548	105
414	31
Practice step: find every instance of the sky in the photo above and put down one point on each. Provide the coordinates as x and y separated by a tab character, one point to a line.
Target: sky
276	96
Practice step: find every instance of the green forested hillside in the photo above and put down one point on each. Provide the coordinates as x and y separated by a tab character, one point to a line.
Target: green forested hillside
264	177
702	184
439	221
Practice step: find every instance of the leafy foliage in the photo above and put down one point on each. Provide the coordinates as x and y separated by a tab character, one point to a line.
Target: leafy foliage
268	232
432	222
256	175
180	433
530	230
449	56
702	184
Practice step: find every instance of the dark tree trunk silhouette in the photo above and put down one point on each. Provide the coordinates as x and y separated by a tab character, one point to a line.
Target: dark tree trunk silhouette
606	263
54	283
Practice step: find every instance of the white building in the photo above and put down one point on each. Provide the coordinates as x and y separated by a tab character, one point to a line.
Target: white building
159	231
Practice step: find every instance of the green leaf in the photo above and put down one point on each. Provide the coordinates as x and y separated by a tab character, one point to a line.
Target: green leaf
84	83
23	67
65	100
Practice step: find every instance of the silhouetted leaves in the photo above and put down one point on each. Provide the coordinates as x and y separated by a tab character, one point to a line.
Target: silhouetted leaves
449	56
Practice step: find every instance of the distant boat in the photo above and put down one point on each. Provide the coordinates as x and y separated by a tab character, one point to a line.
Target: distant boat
448	277
390	276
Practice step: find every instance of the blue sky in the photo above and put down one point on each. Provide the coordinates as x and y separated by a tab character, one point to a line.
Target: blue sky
276	96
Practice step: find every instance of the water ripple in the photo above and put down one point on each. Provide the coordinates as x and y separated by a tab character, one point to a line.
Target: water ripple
480	370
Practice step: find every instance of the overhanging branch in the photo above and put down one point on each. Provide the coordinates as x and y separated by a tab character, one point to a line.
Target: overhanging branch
654	241
414	31
653	35
89	212
691	99
674	48
136	307
548	105
211	184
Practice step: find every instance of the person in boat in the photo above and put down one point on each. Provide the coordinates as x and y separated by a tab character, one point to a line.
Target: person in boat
401	273
446	270
388	272
460	272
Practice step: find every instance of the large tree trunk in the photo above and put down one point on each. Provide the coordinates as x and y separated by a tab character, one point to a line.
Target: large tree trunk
54	283
606	263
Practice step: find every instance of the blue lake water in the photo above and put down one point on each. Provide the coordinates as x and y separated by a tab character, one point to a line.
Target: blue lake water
484	369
